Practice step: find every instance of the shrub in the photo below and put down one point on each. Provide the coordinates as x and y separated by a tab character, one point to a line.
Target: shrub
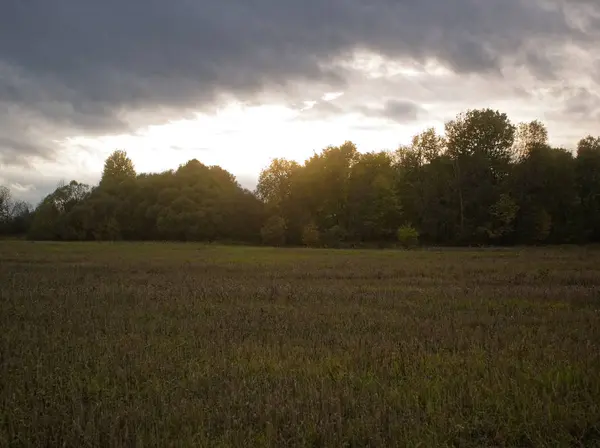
408	236
311	236
273	232
334	236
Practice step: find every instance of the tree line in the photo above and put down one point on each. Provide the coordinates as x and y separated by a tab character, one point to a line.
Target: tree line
484	181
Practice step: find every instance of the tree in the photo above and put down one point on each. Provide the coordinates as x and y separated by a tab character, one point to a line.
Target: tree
408	236
528	136
275	182
588	184
414	166
273	232
480	144
427	146
54	217
6	204
544	185
334	236
20	220
430	200
117	168
503	215
322	186
311	236
373	206
485	181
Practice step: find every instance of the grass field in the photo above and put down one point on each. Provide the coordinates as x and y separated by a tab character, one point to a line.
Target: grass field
192	345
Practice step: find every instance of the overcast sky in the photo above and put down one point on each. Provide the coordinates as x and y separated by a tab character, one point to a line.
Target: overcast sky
238	82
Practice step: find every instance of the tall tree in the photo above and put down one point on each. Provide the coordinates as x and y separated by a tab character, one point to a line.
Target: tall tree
324	182
117	168
483	182
544	184
373	207
275	183
412	169
528	136
6	203
54	217
480	143
588	180
428	145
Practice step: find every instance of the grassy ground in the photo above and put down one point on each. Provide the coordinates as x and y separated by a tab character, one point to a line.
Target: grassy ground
191	345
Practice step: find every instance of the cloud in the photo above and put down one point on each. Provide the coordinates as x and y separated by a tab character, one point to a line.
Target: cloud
321	110
93	67
577	103
401	110
330	96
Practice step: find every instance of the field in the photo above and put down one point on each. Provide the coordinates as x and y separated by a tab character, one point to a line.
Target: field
196	345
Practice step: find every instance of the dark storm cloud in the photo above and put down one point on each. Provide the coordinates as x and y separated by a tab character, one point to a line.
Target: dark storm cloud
83	64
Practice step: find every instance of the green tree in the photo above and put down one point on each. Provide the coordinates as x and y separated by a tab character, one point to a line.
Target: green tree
275	183
544	185
117	168
588	184
54	217
6	205
480	144
528	136
311	237
408	236
273	232
415	165
322	187
427	146
373	207
503	215
20	217
334	236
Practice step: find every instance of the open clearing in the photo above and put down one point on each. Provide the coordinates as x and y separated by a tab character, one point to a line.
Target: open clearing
194	345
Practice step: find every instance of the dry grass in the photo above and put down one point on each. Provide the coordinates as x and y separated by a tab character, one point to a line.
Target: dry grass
191	345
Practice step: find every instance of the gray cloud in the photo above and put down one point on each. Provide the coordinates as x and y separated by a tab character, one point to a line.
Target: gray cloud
577	103
401	110
87	66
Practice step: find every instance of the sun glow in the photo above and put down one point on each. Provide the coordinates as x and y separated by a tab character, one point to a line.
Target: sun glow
241	139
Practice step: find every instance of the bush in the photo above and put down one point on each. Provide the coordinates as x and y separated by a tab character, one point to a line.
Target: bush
311	236
408	236
334	236
273	232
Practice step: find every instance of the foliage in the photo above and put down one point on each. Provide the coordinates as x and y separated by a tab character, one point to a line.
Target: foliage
408	236
587	167
5	204
528	136
117	168
274	183
484	181
503	214
273	232
334	236
54	218
311	237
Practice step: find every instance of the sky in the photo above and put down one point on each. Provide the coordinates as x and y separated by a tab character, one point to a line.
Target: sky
236	83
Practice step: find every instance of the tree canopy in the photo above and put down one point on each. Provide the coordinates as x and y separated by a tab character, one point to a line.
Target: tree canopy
484	181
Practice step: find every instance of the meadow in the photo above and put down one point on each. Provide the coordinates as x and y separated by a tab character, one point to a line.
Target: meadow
151	344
